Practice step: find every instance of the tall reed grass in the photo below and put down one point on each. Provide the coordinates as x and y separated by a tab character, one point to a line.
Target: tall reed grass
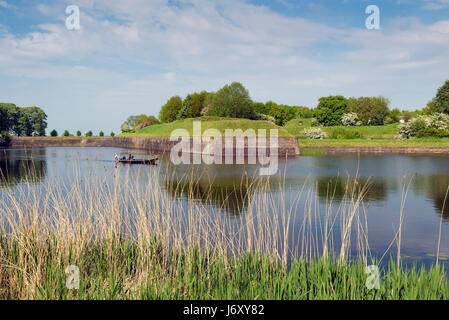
158	234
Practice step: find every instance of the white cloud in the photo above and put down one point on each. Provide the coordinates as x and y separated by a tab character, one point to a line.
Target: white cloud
141	53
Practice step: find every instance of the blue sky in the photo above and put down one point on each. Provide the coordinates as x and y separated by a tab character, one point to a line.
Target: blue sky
130	58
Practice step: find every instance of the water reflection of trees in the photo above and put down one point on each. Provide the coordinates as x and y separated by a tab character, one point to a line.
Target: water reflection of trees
435	187
213	185
18	166
337	187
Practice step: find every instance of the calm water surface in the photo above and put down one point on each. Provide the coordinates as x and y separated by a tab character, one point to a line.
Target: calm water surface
386	174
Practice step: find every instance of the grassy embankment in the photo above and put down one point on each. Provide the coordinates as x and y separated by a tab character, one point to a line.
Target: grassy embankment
365	136
134	241
221	124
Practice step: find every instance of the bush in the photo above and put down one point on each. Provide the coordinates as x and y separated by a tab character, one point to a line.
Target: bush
314	122
431	132
5	139
101	134
341	133
54	133
89	133
261	116
66	133
112	134
419	125
314	133
78	133
350	119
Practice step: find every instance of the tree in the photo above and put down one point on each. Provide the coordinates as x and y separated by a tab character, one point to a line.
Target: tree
232	101
9	113
54	133
112	134
22	121
170	109
90	133
130	124
370	110
78	133
261	108
282	114
101	134
66	133
441	100
330	110
192	105
32	119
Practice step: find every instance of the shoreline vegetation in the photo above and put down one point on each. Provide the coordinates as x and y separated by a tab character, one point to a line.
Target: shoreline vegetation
133	241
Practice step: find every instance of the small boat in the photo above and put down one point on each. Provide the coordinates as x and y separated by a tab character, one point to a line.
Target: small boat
140	161
143	160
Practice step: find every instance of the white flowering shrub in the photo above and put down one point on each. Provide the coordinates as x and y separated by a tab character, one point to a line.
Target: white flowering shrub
439	121
314	133
350	119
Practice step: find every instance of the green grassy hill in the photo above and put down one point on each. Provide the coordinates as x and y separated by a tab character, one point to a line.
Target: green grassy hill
165	130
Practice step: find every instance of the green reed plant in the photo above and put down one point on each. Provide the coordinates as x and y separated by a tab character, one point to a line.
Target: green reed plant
163	236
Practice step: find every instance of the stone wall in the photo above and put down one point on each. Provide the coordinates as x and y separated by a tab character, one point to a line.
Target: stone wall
155	145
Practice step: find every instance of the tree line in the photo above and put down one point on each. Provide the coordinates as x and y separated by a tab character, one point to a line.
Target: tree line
231	101
234	101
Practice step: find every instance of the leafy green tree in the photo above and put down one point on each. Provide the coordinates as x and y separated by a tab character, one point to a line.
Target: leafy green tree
330	110
78	133
441	100
101	134
170	109
9	114
370	110
66	133
395	114
32	119
90	133
112	134
192	105
130	124
260	107
54	133
232	101
282	114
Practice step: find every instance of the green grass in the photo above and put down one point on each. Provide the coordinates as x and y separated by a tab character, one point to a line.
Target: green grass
221	124
121	269
371	132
